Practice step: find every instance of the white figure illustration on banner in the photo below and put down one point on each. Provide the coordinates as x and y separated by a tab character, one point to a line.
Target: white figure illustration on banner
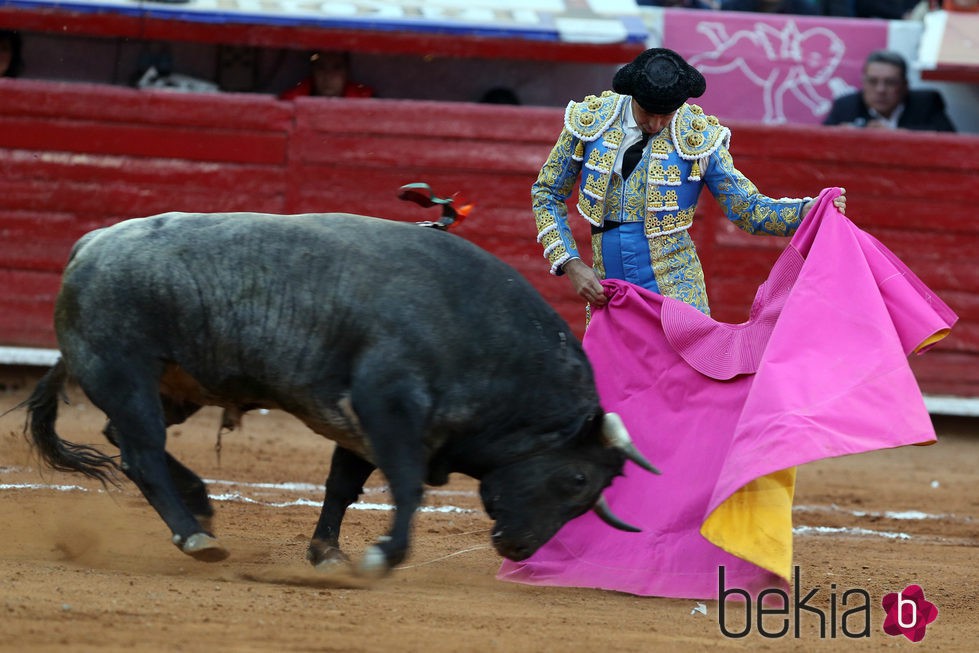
779	61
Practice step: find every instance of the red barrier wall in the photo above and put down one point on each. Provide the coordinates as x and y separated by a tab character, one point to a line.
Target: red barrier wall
75	157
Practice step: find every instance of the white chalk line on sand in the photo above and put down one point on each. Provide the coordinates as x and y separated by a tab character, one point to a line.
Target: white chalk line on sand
243	498
911	515
236	495
841	530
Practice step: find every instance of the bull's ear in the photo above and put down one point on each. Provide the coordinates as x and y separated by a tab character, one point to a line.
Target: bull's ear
616	435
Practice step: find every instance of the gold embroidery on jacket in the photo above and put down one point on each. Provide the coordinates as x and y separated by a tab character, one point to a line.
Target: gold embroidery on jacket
656	175
660	148
677	269
602	162
695	135
664	223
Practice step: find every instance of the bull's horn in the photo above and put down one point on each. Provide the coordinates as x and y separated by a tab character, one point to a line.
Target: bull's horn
605	513
617	436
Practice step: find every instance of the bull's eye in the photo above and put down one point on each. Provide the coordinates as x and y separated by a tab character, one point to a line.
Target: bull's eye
573	482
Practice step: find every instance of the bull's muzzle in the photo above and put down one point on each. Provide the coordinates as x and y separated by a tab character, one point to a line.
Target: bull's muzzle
616	435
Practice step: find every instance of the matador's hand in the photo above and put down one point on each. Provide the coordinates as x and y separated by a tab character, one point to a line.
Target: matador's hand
839	203
585	282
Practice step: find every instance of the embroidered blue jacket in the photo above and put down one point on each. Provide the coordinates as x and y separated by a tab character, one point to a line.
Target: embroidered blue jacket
664	190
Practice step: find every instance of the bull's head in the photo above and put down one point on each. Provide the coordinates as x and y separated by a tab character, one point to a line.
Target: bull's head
531	499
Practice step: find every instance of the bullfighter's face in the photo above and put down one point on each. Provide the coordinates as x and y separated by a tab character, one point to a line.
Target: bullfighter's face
651	123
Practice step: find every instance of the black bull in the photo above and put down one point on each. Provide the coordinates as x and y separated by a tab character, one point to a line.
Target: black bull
417	352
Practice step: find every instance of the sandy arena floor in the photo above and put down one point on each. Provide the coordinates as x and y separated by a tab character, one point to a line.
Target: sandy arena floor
82	569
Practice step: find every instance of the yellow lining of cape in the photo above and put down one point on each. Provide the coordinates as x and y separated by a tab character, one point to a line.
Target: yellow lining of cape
932	339
755	523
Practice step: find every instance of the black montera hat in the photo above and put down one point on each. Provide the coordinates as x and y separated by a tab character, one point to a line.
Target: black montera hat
659	80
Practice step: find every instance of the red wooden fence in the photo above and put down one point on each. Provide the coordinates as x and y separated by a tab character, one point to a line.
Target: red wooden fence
74	157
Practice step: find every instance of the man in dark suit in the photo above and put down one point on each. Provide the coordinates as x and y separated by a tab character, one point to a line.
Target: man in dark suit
886	102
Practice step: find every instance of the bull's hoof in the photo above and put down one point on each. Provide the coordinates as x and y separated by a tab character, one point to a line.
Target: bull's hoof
203	547
326	557
374	564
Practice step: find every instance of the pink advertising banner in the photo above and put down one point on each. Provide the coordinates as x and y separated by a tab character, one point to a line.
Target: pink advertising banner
773	68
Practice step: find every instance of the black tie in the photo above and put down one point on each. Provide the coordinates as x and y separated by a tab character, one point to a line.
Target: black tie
632	155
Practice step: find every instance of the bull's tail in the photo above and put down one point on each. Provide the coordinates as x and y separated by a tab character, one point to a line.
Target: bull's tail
42	411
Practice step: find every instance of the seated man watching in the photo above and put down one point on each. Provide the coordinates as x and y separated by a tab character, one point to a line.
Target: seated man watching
885	100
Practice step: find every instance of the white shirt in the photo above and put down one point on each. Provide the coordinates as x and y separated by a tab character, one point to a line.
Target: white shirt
632	135
890	122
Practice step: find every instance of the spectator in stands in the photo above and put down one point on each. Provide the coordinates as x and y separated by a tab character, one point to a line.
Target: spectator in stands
885	100
500	95
640	220
970	6
893	9
798	7
11	61
683	4
329	76
889	9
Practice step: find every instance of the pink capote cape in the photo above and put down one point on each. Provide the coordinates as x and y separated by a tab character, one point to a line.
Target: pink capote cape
727	411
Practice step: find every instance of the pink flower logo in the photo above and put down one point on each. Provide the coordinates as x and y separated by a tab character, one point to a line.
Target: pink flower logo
908	613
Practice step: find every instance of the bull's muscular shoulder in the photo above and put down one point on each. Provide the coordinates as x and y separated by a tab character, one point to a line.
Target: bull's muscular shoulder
697	135
176	227
193	239
591	117
215	247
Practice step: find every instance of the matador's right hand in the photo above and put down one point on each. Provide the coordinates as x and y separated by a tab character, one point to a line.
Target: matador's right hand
585	282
